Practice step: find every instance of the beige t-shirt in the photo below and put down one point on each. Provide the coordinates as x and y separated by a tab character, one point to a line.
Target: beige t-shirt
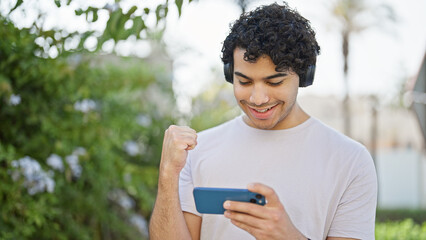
326	181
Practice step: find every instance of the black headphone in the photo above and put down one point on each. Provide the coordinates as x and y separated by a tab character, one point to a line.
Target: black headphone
305	79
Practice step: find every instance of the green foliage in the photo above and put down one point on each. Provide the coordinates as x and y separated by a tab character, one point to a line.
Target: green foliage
214	106
77	102
80	135
386	215
115	26
406	229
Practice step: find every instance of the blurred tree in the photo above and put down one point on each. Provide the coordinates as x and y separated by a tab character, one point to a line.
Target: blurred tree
214	106
119	25
405	229
354	17
81	134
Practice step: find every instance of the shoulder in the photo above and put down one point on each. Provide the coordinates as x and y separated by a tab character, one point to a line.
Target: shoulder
339	146
334	138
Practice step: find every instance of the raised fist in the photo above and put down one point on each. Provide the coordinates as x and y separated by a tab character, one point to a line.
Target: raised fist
177	141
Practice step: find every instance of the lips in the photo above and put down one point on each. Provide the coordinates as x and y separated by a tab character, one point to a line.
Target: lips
263	110
262	113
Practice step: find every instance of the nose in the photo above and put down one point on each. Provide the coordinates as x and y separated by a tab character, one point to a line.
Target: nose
259	95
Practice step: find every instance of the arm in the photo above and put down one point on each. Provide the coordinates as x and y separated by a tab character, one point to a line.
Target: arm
167	220
194	224
355	215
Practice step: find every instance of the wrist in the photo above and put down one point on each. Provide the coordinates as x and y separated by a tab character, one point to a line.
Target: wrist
298	235
167	177
168	172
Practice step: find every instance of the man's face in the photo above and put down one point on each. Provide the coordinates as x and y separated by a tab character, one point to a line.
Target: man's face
267	97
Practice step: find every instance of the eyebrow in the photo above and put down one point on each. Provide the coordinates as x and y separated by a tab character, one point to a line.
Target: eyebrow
265	78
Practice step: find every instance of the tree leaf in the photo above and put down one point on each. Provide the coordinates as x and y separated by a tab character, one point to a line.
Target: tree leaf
158	12
131	11
138	26
94	12
179	6
58	3
113	25
95	16
18	3
79	11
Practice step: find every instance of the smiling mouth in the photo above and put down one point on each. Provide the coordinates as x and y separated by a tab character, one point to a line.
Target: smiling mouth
262	110
262	114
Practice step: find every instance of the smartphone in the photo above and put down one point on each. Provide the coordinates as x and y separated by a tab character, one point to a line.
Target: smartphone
210	200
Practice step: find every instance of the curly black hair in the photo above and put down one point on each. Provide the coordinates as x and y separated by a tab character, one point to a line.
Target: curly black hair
277	31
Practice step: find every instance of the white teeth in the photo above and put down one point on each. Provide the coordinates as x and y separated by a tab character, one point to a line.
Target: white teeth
263	110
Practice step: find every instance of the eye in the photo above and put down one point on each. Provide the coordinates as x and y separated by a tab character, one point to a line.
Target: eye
275	83
244	83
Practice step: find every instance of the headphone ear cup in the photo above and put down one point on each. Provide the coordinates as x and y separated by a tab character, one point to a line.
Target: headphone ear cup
308	77
228	70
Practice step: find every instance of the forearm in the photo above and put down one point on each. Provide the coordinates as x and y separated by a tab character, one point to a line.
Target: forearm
167	220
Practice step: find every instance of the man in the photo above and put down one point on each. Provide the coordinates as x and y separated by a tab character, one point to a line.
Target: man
318	183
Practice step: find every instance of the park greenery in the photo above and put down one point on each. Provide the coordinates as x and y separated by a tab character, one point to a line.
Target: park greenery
81	130
81	135
406	229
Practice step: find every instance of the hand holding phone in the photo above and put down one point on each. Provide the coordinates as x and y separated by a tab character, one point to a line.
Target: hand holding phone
210	200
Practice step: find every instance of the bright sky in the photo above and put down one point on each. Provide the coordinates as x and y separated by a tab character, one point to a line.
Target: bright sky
381	57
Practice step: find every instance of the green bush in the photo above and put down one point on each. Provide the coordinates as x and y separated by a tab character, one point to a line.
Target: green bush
387	215
213	106
102	122
406	229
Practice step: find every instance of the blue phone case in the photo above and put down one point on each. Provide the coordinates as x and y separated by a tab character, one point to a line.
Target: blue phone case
210	200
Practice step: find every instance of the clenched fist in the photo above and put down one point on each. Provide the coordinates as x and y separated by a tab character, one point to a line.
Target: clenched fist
177	141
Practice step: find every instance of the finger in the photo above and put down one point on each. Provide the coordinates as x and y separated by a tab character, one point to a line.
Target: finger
182	137
173	130
191	146
190	140
247	208
189	136
186	142
178	130
189	129
268	192
246	219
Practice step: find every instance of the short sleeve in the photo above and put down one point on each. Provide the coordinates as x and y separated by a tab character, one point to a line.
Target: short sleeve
355	216
186	186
